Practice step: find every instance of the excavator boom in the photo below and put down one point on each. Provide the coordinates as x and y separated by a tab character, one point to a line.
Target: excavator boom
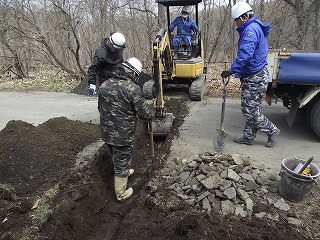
162	61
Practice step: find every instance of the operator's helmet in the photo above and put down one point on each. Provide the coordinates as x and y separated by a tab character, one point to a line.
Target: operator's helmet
239	9
117	40
134	65
186	10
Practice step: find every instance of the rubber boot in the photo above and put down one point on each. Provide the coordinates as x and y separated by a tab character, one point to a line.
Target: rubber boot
120	187
272	139
243	140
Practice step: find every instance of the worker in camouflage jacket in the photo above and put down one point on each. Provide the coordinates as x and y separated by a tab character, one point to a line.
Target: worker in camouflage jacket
121	101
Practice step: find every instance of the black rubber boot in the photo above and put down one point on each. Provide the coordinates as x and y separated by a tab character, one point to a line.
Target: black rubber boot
272	139
243	140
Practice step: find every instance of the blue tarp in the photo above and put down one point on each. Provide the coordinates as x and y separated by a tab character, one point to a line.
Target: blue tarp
300	68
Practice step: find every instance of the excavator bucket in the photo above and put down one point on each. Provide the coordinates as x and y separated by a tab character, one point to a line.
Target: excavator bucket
161	126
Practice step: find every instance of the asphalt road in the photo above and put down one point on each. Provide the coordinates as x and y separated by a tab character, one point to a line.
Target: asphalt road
197	134
38	107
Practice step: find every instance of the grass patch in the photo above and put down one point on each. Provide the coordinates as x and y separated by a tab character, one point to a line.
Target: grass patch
45	80
42	213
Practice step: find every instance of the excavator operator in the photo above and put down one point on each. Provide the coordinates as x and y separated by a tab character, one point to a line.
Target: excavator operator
185	25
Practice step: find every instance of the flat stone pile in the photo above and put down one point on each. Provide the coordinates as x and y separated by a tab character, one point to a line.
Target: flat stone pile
223	183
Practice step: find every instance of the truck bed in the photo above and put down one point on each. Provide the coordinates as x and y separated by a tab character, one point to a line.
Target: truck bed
294	68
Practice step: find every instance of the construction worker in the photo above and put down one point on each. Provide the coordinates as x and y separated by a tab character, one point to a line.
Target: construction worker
250	67
121	101
105	60
185	25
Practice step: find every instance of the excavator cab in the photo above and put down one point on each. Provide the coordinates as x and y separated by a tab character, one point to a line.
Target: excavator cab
174	65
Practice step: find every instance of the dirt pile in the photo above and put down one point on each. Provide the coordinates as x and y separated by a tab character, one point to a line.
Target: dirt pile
33	163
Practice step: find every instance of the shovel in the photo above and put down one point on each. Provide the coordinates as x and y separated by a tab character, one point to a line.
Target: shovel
222	134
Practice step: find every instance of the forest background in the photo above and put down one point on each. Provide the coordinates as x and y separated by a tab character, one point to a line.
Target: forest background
63	34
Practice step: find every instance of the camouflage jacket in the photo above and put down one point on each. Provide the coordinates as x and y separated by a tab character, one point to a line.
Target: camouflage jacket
121	101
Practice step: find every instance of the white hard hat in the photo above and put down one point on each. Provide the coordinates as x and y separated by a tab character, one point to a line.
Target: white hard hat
117	40
186	9
134	65
240	8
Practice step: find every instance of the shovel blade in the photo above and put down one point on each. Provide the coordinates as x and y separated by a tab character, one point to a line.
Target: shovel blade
221	140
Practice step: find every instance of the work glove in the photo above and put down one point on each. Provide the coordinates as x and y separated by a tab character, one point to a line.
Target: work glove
225	74
92	89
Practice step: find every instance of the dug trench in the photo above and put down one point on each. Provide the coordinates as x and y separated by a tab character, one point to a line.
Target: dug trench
56	182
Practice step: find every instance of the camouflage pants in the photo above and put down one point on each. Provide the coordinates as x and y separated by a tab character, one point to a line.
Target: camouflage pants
122	157
253	89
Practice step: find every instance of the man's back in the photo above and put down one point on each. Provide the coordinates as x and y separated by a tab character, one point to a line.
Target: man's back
120	102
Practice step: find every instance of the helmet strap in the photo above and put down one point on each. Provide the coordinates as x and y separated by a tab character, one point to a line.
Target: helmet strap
133	76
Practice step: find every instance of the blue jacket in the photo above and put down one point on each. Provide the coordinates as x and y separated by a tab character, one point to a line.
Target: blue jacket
183	28
252	48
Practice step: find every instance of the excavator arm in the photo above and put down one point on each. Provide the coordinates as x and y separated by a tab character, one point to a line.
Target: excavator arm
162	67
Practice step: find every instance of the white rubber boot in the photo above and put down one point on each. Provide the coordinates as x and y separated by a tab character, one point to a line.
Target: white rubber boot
120	187
131	171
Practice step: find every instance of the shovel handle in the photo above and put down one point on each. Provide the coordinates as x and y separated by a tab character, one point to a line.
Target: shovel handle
305	165
151	140
224	96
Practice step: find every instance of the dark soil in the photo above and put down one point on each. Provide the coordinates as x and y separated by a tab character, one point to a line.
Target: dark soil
42	196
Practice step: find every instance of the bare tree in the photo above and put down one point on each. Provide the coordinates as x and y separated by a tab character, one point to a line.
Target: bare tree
216	32
65	33
316	35
8	39
302	10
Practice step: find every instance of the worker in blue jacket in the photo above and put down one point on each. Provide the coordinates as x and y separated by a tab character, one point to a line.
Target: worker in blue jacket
185	25
250	67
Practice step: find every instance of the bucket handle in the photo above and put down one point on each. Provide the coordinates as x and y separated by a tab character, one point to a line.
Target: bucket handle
311	178
281	172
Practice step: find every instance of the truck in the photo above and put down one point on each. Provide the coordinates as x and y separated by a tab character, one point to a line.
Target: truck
295	79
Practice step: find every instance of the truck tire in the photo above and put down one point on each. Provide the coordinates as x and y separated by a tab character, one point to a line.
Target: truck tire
309	108
314	118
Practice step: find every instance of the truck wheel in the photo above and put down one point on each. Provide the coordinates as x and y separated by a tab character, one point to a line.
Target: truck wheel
309	108
314	117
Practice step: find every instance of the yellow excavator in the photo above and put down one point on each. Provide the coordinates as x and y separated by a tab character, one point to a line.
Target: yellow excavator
179	65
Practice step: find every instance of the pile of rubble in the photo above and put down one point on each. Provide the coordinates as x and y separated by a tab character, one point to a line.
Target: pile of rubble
226	184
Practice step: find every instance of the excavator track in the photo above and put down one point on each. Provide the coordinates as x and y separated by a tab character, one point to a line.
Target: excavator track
197	88
147	89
